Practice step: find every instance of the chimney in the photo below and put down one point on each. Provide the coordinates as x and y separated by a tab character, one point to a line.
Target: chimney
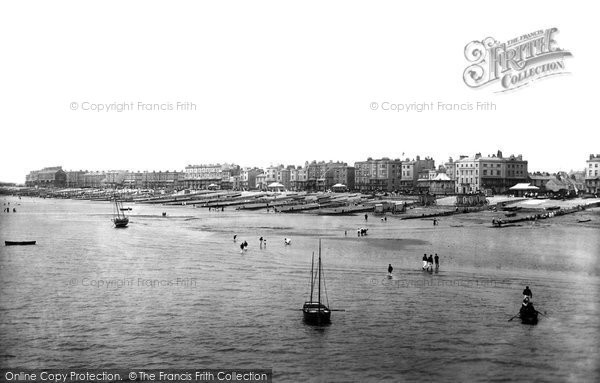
499	155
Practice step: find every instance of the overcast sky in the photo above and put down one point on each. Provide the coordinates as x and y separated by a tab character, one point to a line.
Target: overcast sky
281	82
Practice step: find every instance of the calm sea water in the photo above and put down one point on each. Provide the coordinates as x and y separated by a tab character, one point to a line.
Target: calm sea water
175	292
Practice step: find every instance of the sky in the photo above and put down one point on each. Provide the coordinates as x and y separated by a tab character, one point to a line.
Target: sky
281	82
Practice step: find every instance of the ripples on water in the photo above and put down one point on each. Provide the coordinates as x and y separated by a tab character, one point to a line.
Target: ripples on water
242	310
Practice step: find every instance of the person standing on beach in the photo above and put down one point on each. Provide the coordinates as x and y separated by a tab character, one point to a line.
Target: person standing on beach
424	261
437	261
430	263
234	237
366	217
390	269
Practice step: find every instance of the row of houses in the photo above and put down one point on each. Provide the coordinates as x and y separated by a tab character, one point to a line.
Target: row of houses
469	174
57	177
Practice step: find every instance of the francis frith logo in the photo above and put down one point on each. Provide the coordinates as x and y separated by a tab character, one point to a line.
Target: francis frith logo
515	63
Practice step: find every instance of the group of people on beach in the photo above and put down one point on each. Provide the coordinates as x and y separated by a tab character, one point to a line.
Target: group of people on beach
361	231
262	242
429	261
7	209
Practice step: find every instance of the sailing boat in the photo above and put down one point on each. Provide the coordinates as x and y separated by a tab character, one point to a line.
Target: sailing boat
119	219
316	312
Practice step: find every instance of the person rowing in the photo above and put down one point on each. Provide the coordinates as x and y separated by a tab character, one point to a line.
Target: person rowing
527	307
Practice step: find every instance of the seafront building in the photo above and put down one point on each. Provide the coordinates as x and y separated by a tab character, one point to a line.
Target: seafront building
493	174
375	175
53	176
477	174
540	179
248	178
449	168
592	174
220	176
411	170
75	178
298	178
319	175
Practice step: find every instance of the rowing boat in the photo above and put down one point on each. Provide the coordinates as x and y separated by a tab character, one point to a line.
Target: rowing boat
528	314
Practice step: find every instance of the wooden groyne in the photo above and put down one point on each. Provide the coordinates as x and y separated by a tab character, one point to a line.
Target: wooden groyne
534	217
446	213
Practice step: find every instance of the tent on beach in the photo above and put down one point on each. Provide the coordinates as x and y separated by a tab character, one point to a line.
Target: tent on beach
276	187
339	188
522	188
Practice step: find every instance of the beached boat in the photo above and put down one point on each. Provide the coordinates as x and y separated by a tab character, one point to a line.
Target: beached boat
584	220
316	313
510	214
119	219
18	243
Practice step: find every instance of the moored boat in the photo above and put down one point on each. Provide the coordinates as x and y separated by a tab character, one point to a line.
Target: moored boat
19	243
119	219
316	312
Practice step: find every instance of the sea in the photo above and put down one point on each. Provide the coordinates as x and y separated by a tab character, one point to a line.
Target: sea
177	292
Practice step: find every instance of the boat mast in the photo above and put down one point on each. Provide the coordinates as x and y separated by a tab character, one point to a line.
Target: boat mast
319	275
312	276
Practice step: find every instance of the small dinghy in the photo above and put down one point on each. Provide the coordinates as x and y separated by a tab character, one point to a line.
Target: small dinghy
528	313
530	317
18	243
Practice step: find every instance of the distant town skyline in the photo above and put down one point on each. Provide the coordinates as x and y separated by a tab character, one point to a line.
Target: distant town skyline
438	161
